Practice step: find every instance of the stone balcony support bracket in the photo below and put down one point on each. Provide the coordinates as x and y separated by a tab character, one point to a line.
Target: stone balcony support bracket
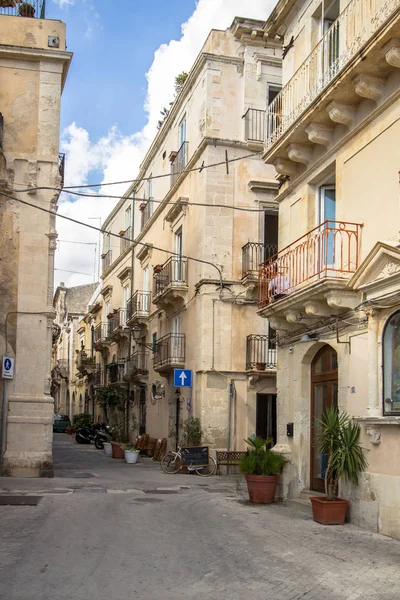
368	86
342	299
285	167
320	134
300	153
341	113
392	52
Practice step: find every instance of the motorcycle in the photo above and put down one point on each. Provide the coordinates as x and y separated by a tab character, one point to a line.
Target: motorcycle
103	436
87	435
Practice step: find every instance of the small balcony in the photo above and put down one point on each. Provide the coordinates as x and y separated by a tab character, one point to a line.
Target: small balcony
146	208
254	126
61	369
115	373
85	364
169	352
98	377
312	271
136	365
261	353
178	162
116	325
170	282
253	255
100	334
12	8
125	239
106	260
138	307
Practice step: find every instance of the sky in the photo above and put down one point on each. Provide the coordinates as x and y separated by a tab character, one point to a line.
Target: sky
126	57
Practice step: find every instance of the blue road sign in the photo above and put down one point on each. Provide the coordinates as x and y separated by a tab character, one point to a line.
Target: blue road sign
182	378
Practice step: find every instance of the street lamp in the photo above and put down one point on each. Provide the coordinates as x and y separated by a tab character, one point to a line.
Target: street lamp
137	333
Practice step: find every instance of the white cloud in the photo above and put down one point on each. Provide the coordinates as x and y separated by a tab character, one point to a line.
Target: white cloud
62	3
118	157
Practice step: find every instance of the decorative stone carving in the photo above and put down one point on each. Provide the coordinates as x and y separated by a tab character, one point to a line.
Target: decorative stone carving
342	299
374	434
368	86
299	153
293	316
341	113
317	309
392	53
319	134
284	167
389	269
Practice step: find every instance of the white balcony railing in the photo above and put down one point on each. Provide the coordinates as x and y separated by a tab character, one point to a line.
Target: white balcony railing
357	24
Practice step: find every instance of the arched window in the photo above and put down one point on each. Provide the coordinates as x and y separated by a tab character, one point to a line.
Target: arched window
391	365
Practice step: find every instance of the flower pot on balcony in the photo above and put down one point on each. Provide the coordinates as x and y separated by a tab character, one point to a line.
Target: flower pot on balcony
261	366
157	269
142	206
26	10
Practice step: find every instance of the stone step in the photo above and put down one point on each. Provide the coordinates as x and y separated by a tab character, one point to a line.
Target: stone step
306	494
299	504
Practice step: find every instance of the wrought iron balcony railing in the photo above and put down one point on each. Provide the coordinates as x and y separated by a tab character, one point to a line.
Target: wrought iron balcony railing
116	372
179	163
125	239
116	322
355	26
136	364
17	8
100	333
106	257
171	273
98	377
138	305
254	254
329	250
84	362
147	210
169	350
254	125
261	351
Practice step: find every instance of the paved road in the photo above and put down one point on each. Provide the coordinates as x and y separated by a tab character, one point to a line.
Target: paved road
108	531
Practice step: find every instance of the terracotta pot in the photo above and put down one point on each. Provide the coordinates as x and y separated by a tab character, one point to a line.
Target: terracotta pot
329	512
262	488
117	451
261	366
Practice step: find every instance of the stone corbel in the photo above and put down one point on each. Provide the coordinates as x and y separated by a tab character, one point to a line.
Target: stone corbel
320	134
392	53
285	167
368	86
299	153
341	299
374	434
279	323
341	113
317	309
293	316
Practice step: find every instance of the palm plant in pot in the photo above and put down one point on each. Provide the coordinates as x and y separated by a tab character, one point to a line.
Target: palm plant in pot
261	468
338	440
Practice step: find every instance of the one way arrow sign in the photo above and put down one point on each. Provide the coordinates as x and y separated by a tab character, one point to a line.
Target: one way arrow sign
182	378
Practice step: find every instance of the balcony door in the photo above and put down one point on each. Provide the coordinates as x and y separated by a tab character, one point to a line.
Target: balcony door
146	287
325	242
176	339
266	416
324	394
177	261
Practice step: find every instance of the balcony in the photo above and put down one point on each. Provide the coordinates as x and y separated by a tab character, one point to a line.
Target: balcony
178	162
146	208
100	334
254	126
261	353
115	373
116	326
169	352
253	255
313	269
98	377
309	105
12	8
85	364
170	282
136	365
138	307
61	369
106	260
125	239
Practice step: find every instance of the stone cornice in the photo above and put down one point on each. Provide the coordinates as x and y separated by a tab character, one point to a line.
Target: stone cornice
38	54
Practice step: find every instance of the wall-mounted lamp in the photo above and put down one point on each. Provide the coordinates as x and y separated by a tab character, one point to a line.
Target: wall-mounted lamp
137	334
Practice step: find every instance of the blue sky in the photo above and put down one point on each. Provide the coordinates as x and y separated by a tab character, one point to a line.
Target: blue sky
126	57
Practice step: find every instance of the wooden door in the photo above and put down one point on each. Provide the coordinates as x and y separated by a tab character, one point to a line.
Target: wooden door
266	416
324	393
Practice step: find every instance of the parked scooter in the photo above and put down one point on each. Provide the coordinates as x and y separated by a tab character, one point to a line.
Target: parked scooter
103	436
87	435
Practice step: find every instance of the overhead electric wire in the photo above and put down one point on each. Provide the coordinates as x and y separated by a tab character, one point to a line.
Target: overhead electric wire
136	243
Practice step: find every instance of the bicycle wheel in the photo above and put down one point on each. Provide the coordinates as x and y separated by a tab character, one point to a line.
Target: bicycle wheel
208	469
170	463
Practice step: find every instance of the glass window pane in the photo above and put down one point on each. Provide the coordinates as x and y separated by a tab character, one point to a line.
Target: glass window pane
391	370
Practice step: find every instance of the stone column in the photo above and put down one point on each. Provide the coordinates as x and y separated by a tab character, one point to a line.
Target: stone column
374	404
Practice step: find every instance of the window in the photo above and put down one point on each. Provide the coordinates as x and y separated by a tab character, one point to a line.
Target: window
182	131
391	365
128	218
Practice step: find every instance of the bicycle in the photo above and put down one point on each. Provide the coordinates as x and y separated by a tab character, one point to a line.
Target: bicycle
171	463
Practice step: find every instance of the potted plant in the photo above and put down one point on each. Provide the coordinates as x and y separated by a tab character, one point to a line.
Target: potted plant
118	428
26	10
157	269
142	206
338	440
261	366
261	468
131	454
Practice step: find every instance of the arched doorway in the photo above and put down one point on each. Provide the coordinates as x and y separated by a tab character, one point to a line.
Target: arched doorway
80	404
324	394
68	407
73	405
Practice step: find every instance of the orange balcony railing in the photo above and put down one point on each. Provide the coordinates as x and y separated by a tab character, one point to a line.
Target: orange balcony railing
329	250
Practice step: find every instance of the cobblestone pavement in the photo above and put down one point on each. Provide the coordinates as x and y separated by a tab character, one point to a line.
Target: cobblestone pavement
108	531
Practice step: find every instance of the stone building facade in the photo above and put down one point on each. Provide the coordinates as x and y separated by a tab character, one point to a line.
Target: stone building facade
332	290
184	293
33	69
